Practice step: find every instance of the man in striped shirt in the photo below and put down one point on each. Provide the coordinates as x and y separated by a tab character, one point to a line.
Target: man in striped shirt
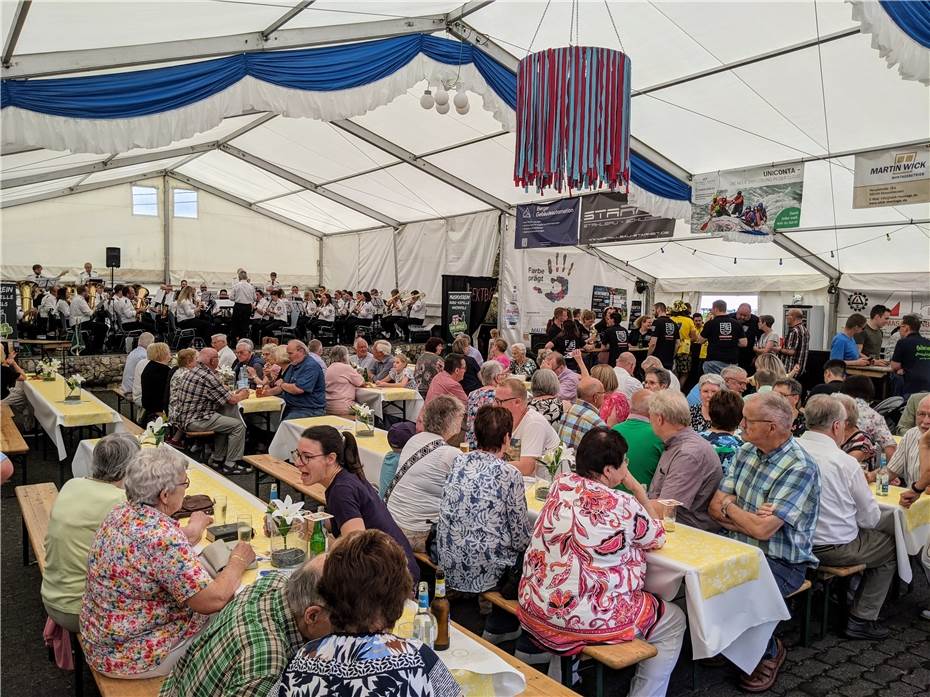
794	352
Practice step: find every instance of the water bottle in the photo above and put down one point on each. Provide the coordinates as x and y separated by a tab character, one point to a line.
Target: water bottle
273	494
318	538
424	624
881	480
243	382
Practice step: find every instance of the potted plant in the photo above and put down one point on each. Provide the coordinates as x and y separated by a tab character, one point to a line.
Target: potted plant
555	461
285	516
226	374
73	387
155	433
364	421
48	368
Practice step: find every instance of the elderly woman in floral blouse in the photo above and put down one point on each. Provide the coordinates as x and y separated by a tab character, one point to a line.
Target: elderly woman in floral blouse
519	363
490	374
147	595
585	567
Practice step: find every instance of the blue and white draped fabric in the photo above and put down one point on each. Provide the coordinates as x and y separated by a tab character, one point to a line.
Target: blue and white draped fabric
900	32
153	108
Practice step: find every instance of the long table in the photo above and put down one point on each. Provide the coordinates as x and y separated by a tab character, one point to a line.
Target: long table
732	599
409	400
371	449
47	398
911	527
481	669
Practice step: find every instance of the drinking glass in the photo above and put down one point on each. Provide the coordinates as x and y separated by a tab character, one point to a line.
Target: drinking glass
668	516
219	509
244	528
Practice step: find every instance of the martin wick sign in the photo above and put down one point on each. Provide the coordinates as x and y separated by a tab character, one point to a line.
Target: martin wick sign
892	177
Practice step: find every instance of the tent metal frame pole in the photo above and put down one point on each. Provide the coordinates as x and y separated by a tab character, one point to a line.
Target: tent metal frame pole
801	253
81	189
285	18
631	272
420	163
166	224
394	246
922	143
84	60
16	28
467	33
219	193
287	175
467	9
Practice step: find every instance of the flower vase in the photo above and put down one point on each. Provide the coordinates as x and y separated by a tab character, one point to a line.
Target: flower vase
542	489
364	428
288	551
48	377
72	394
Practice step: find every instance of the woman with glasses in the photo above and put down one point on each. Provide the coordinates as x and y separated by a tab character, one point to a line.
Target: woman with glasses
585	567
147	595
330	458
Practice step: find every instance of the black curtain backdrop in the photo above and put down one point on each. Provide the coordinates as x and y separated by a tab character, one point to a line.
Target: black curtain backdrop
482	290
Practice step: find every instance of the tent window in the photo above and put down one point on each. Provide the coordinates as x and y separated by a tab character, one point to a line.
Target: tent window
732	301
145	200
185	203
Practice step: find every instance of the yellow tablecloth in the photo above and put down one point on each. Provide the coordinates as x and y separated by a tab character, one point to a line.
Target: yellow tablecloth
87	412
919	512
721	563
395	394
255	405
377	443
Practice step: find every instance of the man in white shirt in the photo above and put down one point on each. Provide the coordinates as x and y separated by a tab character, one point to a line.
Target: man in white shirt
906	460
422	467
846	531
82	315
226	355
626	364
536	436
362	357
136	355
243	296
87	274
40	279
123	309
272	282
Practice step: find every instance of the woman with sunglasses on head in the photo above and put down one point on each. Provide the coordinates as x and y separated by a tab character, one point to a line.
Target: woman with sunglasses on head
329	457
585	568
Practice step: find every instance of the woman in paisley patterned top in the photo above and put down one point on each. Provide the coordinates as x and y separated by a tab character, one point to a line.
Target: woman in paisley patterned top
585	568
546	400
364	586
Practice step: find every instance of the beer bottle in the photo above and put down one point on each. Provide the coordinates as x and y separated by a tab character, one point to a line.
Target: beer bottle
440	610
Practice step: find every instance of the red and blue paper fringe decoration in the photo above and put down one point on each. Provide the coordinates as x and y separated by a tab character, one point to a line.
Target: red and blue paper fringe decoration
573	119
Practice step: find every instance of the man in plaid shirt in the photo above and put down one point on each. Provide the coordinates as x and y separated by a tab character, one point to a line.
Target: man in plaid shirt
201	397
771	499
247	646
794	352
582	415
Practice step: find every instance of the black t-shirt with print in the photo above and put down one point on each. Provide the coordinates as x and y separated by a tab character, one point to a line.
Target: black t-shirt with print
617	341
565	345
723	335
665	332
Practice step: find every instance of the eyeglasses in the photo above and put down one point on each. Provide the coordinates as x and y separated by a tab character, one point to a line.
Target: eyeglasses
186	483
502	402
305	458
756	421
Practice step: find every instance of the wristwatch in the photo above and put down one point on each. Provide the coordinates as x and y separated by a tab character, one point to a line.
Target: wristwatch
917	490
724	507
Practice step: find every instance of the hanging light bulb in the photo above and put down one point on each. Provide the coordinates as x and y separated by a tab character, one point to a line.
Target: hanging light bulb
734	260
442	108
460	100
831	254
463	110
888	236
662	249
427	101
693	252
779	262
441	96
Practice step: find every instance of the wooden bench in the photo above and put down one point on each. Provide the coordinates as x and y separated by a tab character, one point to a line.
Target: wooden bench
282	471
12	442
35	502
121	397
132	428
614	656
804	589
827	575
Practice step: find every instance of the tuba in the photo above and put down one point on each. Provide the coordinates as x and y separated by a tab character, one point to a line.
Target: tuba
142	294
26	289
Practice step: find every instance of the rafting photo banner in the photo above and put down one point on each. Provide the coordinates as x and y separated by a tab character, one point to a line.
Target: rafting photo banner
747	205
607	217
892	177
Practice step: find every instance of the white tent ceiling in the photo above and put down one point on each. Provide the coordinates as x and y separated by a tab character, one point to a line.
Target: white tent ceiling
323	177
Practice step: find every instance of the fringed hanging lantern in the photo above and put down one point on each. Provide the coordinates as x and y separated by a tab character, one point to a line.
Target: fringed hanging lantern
573	119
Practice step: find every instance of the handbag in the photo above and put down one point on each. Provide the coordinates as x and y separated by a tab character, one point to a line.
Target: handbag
192	504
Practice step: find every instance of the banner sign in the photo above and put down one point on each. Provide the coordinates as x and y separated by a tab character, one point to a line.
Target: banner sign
8	310
547	225
459	304
606	217
892	177
899	302
636	310
747	205
603	297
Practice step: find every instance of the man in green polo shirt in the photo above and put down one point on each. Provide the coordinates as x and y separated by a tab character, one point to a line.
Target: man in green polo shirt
247	646
645	447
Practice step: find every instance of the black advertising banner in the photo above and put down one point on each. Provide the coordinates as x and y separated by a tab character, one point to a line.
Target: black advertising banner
479	289
603	297
8	310
607	218
459	303
547	225
636	309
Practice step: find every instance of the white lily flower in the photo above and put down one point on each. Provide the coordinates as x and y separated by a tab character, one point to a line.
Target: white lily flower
286	510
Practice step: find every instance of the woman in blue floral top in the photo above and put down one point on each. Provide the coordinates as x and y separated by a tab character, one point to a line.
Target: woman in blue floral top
726	412
482	527
363	656
490	374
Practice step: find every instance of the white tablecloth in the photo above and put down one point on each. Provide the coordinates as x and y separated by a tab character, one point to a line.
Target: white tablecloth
374	398
49	414
737	623
906	542
371	451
